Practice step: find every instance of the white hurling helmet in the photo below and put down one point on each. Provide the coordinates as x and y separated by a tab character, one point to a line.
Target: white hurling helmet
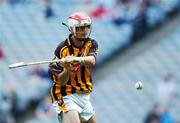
79	19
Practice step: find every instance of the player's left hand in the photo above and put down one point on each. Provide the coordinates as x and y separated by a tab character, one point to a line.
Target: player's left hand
72	59
74	62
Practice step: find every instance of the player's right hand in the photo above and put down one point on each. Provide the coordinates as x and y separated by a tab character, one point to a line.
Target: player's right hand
64	63
54	69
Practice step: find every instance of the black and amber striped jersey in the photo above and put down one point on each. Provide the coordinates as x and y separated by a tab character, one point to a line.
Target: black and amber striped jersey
80	76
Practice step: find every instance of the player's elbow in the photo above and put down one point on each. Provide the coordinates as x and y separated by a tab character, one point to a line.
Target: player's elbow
93	61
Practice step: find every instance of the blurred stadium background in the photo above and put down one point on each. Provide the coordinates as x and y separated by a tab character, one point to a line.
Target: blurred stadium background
139	40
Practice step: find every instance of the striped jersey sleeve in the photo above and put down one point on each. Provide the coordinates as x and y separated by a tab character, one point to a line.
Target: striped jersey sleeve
94	48
59	49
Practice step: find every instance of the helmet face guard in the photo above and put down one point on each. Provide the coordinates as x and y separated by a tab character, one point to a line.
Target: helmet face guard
80	25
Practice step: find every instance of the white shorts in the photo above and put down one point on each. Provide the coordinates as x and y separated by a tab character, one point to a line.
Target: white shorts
80	102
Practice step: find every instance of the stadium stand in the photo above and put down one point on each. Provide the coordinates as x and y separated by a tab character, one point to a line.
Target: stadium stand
26	36
116	88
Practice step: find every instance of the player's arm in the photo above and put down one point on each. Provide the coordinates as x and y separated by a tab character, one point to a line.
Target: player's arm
65	63
62	71
88	61
63	77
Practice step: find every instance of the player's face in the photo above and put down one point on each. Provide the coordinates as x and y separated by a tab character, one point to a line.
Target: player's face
83	31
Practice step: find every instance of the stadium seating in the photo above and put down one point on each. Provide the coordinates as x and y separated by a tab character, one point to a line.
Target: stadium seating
27	36
114	96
